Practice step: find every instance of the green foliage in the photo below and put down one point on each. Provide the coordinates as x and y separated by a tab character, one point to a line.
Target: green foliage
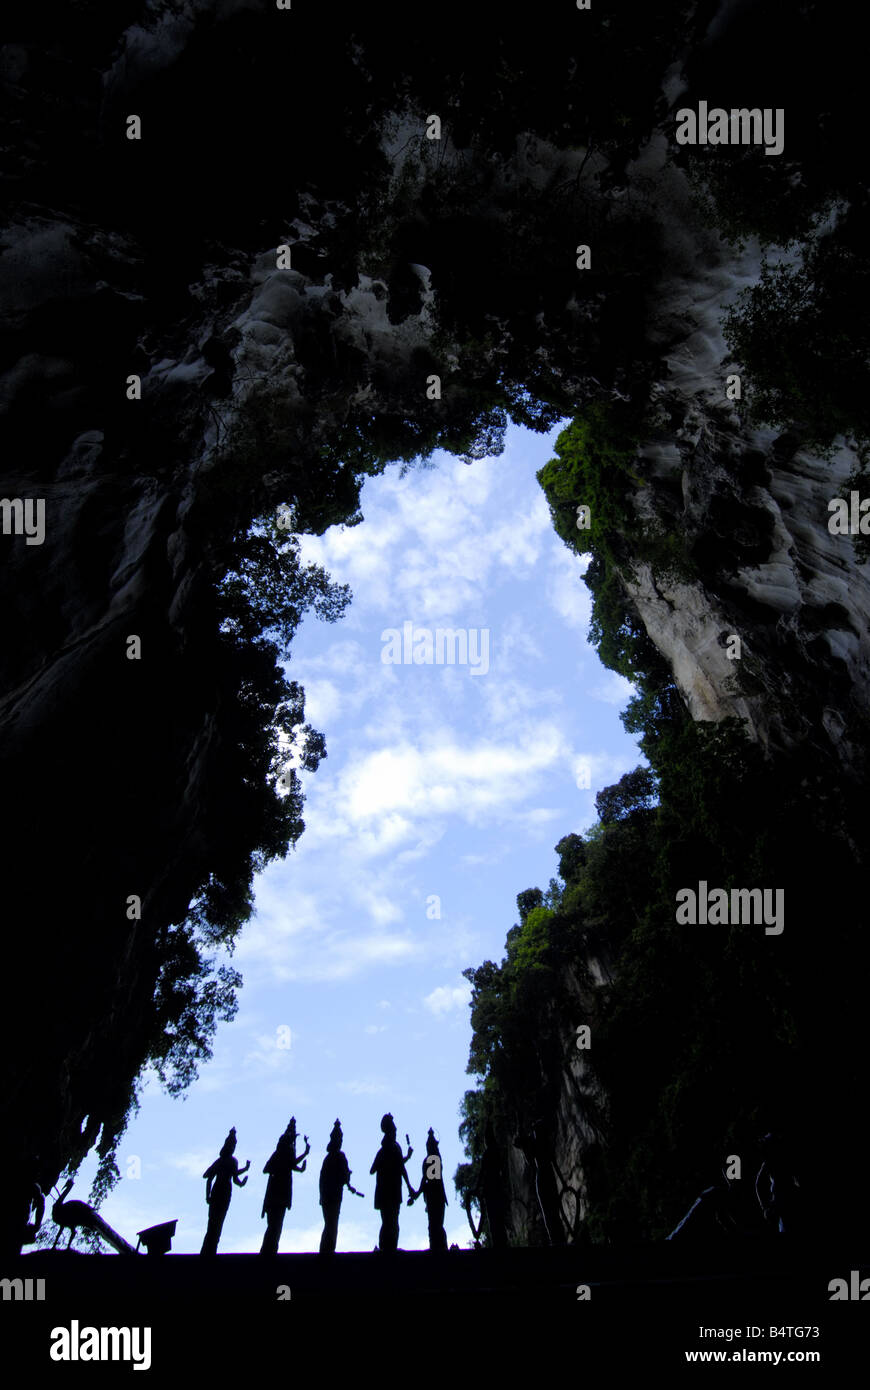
572	857
802	334
262	593
530	947
528	899
465	1180
594	466
615	629
702	1034
191	996
747	198
266	589
634	791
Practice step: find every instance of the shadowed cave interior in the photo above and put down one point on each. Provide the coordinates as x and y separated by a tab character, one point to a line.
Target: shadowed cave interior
282	269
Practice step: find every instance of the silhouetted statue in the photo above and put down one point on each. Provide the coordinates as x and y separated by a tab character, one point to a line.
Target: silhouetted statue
389	1165
75	1213
537	1153
279	1189
219	1189
490	1191
334	1177
777	1188
434	1196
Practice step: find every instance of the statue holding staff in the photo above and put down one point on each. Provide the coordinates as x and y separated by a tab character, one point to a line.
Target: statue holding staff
433	1194
283	1163
219	1189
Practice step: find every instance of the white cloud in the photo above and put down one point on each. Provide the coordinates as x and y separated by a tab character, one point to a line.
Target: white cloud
381	792
447	997
323	701
220	1074
193	1162
268	1055
343	955
540	815
613	690
430	545
339	681
566	591
604	768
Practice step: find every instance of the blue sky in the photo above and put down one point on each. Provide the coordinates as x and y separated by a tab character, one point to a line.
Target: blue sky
439	784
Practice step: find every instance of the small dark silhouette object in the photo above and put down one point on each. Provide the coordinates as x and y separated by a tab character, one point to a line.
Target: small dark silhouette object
490	1191
74	1214
334	1177
711	1214
36	1207
389	1165
434	1196
776	1187
24	1203
475	1230
537	1154
157	1239
223	1173
723	1209
279	1189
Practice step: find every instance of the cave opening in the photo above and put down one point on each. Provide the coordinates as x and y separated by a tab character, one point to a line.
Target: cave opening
448	780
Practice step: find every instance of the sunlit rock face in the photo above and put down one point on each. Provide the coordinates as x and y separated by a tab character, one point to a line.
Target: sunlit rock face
752	509
789	590
157	259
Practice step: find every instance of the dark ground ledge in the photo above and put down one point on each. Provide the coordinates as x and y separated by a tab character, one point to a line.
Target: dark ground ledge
645	1309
